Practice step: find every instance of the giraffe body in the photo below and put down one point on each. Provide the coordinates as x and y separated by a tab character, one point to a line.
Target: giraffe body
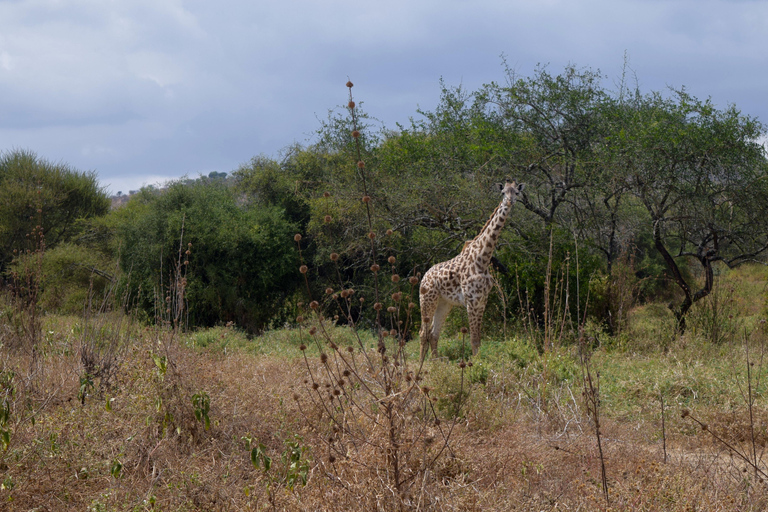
463	280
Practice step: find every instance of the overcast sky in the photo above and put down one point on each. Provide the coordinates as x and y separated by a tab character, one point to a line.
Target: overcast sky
142	91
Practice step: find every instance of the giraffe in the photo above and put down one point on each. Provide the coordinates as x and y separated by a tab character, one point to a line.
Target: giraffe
464	280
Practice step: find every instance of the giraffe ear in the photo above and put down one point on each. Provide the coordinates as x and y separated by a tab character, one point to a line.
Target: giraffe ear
520	187
499	186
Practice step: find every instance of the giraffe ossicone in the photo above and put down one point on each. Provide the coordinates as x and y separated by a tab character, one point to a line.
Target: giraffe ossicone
465	279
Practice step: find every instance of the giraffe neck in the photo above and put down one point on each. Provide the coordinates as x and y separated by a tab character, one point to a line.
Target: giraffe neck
482	247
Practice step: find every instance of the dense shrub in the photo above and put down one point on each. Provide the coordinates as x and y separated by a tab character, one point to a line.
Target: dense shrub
242	261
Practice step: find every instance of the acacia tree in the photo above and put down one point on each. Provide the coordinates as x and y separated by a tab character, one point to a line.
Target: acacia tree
35	192
703	179
560	126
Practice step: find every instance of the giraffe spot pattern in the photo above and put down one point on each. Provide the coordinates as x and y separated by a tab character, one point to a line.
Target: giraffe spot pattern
463	280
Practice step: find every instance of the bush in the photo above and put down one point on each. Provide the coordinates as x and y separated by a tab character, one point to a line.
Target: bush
242	261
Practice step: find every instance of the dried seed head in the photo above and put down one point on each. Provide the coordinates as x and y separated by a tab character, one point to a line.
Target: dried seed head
303	269
331	458
346	372
366	199
312	330
314	304
350	350
302	347
355	133
315	386
350	85
397	296
392	309
351	104
297	237
323	358
371	235
413	280
360	164
327	219
296	397
411	305
462	365
334	256
328	291
464	330
685	413
395	278
391	260
384	334
393	332
389	232
336	392
299	319
377	306
326	194
375	268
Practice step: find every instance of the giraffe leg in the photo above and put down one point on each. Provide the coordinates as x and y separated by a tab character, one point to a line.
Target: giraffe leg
475	314
441	313
477	292
428	301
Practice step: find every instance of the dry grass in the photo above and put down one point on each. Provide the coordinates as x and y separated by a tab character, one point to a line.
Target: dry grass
519	445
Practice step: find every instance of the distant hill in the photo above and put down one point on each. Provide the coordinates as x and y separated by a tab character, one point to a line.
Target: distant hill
121	199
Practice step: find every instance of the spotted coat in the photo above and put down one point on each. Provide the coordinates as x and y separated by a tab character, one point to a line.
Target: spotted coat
463	280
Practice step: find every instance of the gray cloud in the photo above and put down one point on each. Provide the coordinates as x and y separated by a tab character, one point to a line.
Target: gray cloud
145	90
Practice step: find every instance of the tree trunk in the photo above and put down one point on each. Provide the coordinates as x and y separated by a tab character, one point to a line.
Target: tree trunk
705	257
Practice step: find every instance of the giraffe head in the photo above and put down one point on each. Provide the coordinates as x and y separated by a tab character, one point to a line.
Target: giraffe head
511	190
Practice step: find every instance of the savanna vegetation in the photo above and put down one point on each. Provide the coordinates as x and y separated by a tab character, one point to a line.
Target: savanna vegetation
242	340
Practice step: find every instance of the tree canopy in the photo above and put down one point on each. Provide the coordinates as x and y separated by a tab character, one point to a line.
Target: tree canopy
658	185
242	260
35	192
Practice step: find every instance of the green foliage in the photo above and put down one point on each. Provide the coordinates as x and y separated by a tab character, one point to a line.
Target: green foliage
201	403
72	272
259	457
700	173
86	387
267	183
294	467
605	171
35	192
7	392
242	261
295	462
